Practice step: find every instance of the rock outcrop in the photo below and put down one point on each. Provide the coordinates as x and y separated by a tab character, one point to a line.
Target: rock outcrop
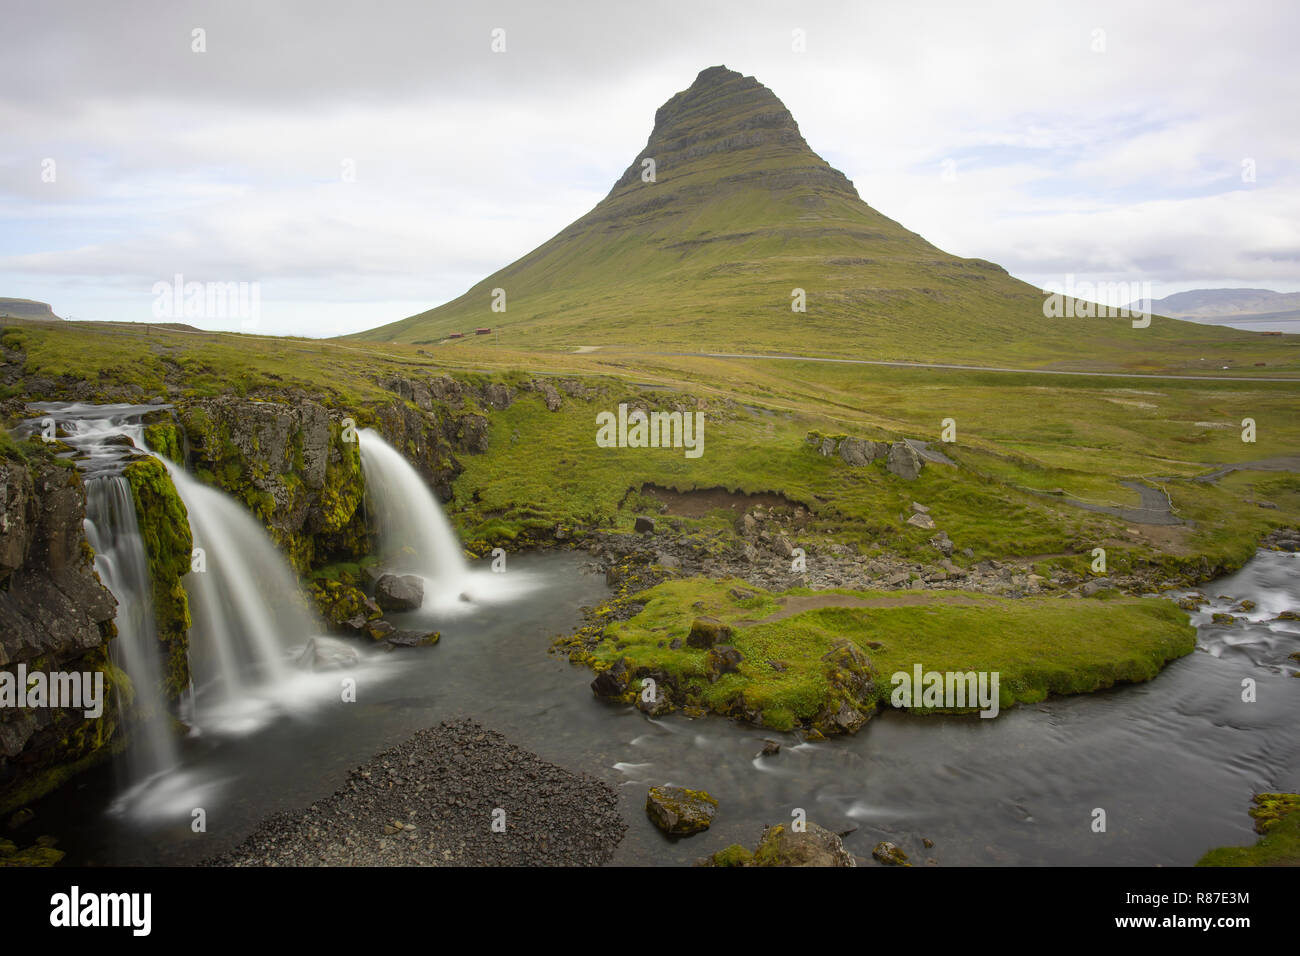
56	616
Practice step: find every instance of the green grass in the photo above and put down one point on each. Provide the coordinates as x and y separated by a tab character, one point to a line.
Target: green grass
1016	434
1277	818
1039	646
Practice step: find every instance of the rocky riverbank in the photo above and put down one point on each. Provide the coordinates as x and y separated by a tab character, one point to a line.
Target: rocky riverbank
452	795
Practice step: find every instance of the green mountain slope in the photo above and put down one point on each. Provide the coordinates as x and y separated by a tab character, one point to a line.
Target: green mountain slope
742	212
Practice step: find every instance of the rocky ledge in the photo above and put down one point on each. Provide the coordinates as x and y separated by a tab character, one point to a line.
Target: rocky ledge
452	795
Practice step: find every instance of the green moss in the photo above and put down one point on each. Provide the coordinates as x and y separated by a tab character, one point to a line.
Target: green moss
165	439
1277	819
832	655
734	855
165	531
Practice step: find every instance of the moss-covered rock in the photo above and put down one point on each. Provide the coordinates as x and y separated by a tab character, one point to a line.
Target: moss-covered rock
165	530
812	845
679	811
734	855
167	440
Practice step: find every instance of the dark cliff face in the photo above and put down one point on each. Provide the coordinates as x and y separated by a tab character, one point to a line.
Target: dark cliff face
725	112
55	615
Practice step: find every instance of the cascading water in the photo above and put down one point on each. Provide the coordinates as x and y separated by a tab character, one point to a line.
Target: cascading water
247	610
415	536
114	534
249	617
413	531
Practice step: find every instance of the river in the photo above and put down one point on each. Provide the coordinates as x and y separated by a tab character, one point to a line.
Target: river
1173	762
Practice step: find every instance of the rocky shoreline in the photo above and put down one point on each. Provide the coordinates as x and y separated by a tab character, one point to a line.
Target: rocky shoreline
452	795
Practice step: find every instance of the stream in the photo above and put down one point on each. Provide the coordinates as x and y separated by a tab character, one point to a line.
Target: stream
1173	762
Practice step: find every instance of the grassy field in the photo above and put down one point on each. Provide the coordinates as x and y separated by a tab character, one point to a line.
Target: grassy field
1038	646
1016	435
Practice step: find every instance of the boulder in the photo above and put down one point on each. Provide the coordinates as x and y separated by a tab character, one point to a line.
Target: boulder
858	452
407	638
815	846
678	811
722	659
611	682
889	854
644	525
904	461
924	522
708	631
403	592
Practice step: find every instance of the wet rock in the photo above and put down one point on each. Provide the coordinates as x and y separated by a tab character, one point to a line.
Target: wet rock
399	592
656	704
815	846
323	654
889	854
408	638
380	630
708	631
611	682
770	748
679	811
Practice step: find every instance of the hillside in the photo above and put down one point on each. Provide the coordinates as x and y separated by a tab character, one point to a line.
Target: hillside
741	213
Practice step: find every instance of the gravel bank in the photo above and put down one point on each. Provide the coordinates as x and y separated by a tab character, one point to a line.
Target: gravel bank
442	786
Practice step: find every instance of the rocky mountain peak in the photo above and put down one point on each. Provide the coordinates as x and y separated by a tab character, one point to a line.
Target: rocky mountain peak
721	112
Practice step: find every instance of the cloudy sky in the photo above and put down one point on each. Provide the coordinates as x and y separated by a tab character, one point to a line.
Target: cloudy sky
364	161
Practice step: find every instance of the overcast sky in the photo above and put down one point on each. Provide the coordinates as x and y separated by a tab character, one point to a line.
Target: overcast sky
365	161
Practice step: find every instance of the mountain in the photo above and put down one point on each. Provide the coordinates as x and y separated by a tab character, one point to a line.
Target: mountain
1242	308
740	213
26	309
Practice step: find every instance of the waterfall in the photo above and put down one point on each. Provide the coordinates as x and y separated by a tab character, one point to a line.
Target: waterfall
246	607
413	530
248	614
114	534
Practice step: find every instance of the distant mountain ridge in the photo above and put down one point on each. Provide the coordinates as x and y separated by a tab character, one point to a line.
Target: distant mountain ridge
26	309
1245	307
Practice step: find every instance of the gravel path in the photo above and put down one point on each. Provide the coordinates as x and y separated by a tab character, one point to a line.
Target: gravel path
442	787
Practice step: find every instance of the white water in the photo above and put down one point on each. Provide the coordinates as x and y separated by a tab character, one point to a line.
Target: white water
415	536
248	612
250	623
114	534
